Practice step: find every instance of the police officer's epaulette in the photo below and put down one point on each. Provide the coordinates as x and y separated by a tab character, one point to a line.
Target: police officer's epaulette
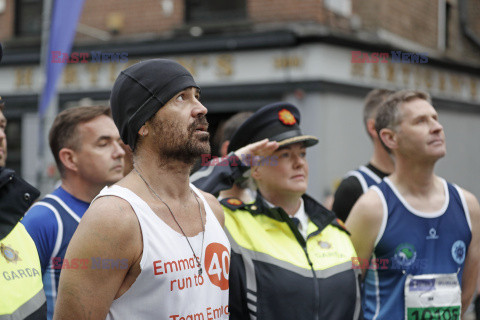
233	203
340	225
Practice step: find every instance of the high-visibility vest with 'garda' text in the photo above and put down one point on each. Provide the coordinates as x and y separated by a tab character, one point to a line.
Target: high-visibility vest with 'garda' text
21	288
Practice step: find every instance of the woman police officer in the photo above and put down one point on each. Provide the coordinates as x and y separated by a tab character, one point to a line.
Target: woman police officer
291	257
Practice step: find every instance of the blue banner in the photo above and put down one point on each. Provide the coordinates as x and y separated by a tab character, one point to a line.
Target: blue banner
64	18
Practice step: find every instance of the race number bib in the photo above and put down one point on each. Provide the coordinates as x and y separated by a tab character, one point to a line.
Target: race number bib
433	297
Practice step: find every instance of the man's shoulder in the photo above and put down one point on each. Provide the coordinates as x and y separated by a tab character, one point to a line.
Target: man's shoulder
111	202
347	193
113	218
44	205
110	208
352	180
370	203
463	192
40	214
350	184
47	210
471	201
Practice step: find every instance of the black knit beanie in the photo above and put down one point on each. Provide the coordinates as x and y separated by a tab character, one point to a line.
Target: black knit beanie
141	90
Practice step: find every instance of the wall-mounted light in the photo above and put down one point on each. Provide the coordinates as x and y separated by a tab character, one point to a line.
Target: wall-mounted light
115	22
196	31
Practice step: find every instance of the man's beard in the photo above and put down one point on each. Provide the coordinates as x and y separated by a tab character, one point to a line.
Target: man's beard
177	144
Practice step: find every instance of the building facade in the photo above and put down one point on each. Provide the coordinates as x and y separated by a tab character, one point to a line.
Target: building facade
322	55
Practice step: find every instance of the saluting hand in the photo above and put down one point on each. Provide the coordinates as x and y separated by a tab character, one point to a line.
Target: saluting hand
256	152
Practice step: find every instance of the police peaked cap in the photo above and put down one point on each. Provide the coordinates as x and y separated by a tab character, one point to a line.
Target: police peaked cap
278	121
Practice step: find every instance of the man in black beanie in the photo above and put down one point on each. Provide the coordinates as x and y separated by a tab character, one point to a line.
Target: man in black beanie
155	243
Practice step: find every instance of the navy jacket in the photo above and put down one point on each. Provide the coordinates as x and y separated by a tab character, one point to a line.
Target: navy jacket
16	196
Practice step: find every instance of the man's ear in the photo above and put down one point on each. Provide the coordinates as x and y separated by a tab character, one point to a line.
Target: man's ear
143	131
68	157
371	128
255	172
224	148
389	138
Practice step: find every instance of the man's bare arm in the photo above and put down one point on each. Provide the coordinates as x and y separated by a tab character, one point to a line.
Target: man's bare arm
216	207
470	272
364	223
109	238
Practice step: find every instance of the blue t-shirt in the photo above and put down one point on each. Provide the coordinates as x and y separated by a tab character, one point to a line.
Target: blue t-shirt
413	242
51	223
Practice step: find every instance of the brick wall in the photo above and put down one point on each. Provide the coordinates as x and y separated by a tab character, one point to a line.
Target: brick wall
417	21
6	21
411	19
285	10
470	50
139	17
474	15
149	18
368	12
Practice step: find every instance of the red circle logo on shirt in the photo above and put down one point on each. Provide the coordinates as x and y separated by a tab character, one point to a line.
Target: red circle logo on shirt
217	263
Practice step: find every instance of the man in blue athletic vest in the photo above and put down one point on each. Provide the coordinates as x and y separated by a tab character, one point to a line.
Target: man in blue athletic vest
416	236
85	144
356	182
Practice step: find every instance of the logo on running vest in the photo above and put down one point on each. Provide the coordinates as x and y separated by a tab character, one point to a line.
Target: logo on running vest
217	264
9	253
458	251
405	255
432	234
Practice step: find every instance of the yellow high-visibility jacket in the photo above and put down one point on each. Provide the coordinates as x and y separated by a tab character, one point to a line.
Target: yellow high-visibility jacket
21	287
277	274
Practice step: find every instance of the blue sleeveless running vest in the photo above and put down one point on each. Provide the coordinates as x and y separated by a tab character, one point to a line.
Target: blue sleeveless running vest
57	218
412	242
51	278
366	177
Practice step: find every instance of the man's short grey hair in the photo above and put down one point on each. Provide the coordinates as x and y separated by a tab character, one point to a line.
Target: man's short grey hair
389	114
373	101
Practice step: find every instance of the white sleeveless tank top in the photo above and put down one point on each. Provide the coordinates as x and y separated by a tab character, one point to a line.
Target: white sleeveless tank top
168	286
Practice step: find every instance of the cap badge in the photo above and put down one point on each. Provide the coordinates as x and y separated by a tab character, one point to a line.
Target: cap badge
286	117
